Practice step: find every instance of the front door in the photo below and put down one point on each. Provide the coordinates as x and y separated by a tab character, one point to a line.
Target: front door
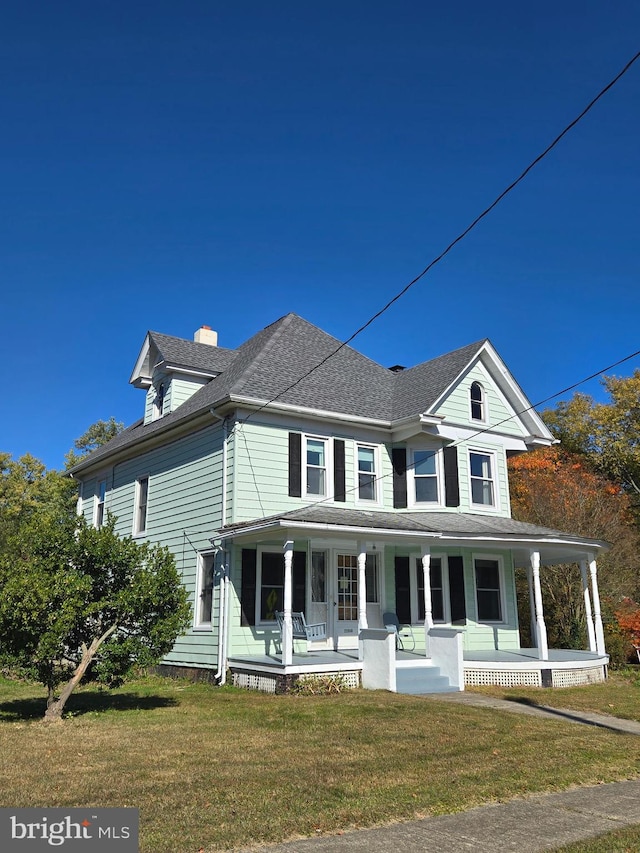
345	601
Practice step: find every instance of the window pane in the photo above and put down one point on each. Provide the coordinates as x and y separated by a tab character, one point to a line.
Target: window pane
366	459
482	492
315	481
272	569
206	590
489	606
426	489
315	452
272	587
488	590
480	465
424	462
476	411
487	574
366	487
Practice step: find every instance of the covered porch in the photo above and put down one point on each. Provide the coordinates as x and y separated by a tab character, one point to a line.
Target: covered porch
478	554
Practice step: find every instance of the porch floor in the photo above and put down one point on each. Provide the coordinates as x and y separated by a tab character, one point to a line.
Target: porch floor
348	658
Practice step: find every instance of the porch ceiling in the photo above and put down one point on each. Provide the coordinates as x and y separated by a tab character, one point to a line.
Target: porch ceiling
422	528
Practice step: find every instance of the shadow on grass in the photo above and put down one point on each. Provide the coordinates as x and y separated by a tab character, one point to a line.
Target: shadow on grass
20	710
597	719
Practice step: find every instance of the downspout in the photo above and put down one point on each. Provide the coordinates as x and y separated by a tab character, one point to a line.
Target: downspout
225	638
219	673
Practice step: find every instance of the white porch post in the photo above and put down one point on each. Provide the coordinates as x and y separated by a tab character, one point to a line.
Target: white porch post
541	628
597	616
533	628
287	626
428	612
587	606
362	587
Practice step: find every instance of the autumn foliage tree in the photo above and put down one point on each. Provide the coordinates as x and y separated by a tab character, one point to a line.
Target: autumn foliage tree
554	488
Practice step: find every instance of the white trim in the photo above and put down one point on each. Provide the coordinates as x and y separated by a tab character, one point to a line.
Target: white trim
493	479
136	506
499	559
201	557
328	467
96	502
377	482
412	503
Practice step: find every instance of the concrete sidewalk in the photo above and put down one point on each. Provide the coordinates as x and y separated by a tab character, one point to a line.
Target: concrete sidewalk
527	825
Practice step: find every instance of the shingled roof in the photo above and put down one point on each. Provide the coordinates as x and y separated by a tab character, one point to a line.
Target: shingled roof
269	366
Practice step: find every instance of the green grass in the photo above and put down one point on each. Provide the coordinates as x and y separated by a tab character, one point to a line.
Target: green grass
623	841
618	696
222	768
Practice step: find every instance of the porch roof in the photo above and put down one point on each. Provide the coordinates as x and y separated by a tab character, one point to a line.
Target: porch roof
437	528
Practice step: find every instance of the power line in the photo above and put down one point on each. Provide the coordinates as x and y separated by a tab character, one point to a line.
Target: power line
454	242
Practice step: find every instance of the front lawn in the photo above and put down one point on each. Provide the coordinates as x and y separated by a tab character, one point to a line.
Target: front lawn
219	768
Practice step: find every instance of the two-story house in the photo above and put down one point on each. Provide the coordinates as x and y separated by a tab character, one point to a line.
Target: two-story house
294	475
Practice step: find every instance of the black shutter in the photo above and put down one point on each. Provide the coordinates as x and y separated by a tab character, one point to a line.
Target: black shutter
299	571
295	465
403	590
456	591
399	462
339	492
248	588
451	484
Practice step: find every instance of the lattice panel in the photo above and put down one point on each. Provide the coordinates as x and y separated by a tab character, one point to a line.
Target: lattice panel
577	677
501	678
265	683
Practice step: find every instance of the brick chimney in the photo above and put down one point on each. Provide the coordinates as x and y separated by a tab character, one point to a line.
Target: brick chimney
206	335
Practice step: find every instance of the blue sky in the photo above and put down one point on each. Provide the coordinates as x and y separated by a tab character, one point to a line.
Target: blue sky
165	165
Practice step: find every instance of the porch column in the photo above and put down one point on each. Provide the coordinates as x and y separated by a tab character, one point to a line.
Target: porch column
533	628
428	611
287	625
597	616
541	628
587	606
362	587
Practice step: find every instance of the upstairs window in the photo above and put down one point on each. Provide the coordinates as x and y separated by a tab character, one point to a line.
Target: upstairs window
366	473
481	466
101	495
140	512
425	476
476	395
316	467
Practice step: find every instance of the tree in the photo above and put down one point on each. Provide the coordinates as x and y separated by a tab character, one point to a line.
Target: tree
607	433
73	597
557	489
26	489
98	434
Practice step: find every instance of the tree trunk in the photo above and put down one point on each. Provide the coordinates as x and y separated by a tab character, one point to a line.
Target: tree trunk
53	714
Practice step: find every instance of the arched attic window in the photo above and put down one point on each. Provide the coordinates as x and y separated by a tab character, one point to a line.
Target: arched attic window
478	403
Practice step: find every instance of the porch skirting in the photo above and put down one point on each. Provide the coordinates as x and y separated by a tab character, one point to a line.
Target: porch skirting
516	668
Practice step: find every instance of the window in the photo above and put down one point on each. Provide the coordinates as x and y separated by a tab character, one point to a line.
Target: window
425	476
100	501
488	595
316	466
158	403
366	473
476	395
271	586
318	576
204	602
140	515
437	590
482	479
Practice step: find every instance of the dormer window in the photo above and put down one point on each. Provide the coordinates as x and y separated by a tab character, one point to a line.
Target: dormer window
477	400
158	403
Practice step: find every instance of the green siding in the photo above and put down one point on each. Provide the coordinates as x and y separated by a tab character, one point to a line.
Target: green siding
455	406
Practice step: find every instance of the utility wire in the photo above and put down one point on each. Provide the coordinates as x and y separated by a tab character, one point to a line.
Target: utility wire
381	477
454	242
